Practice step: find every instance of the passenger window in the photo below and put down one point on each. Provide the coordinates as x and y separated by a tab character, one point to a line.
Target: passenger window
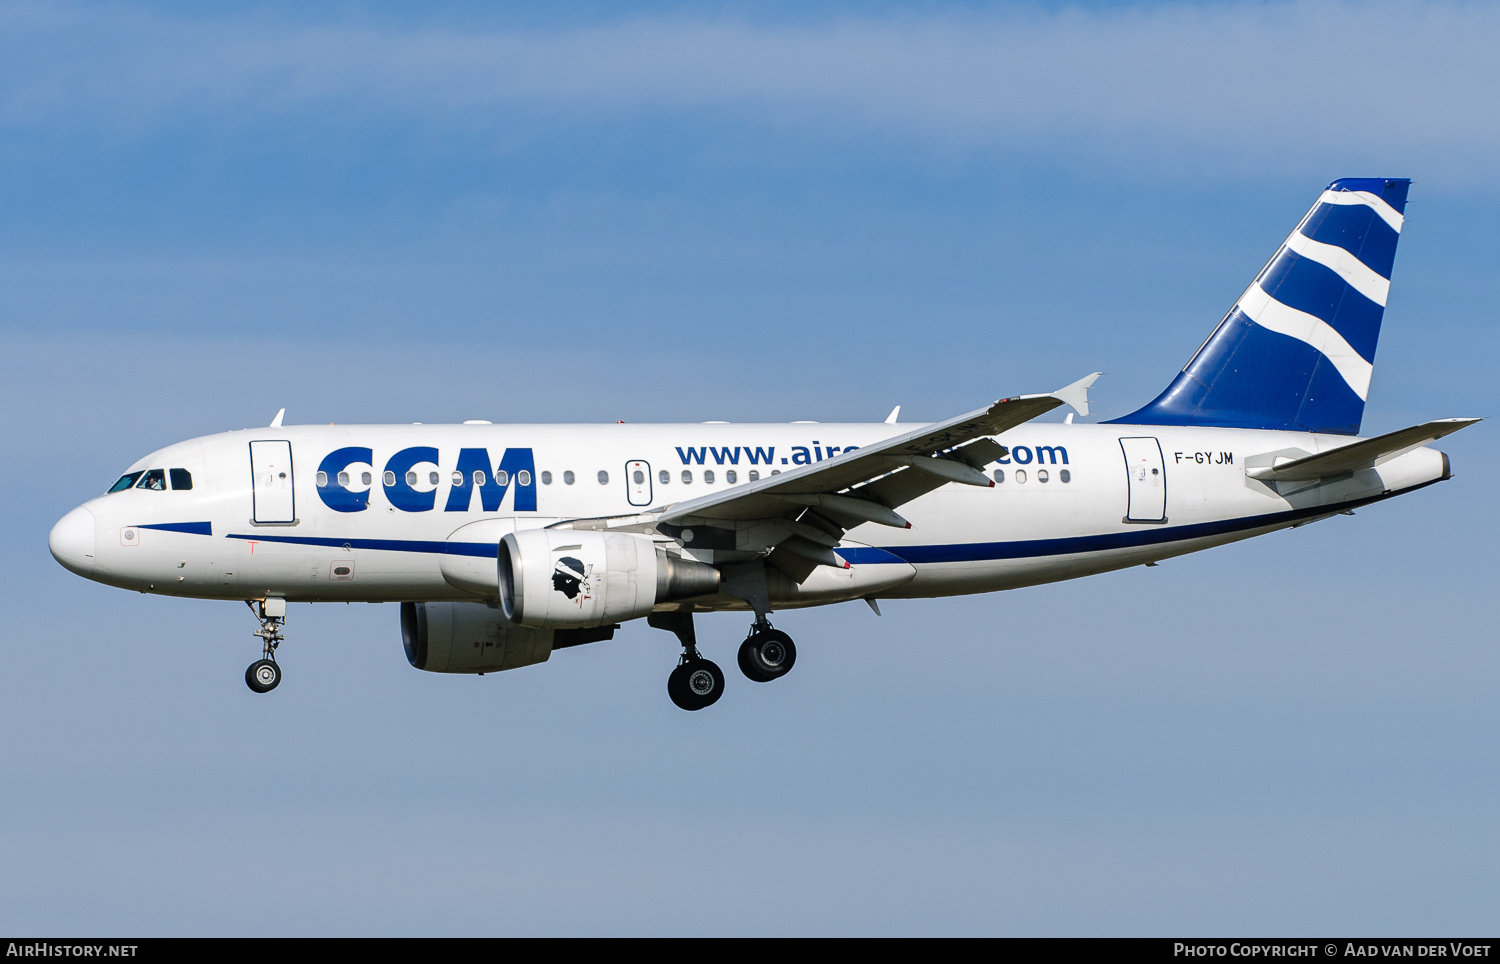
478	477
411	477
432	478
1065	476
603	478
568	477
389	478
182	479
546	478
1041	475
687	477
364	478
754	475
155	480
664	476
502	478
343	478
322	480
523	477
639	477
999	476
458	478
125	482
730	477
708	477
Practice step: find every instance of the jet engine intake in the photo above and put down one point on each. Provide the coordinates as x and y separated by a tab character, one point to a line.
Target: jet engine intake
461	637
562	578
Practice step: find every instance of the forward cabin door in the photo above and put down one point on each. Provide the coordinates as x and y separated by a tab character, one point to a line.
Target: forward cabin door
638	482
271	472
1148	480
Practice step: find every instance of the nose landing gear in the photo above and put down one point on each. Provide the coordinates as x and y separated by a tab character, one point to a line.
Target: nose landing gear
264	675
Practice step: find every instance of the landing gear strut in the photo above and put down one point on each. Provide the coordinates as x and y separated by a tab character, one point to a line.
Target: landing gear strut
767	653
264	675
696	682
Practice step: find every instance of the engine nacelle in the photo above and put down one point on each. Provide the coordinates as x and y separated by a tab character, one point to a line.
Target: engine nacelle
460	637
571	577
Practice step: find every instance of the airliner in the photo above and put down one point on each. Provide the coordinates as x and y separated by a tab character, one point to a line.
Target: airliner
503	543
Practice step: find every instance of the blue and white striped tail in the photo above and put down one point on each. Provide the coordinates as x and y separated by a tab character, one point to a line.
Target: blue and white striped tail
1297	350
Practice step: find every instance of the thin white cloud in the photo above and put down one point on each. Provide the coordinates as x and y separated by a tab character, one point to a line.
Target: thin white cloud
1413	82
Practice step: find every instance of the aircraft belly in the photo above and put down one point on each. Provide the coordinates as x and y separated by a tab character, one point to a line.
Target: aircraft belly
248	569
974	576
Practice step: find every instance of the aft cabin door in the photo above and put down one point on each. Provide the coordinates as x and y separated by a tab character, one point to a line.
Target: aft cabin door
1148	480
638	482
271	471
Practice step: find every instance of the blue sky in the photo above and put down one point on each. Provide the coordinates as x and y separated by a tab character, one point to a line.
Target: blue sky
663	212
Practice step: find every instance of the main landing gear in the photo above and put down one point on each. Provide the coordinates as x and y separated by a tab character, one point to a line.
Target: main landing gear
264	675
766	654
696	682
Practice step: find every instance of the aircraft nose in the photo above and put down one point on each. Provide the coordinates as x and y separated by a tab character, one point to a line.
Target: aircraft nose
73	541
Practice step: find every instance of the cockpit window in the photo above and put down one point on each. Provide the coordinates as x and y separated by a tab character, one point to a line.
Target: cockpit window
155	479
126	481
181	479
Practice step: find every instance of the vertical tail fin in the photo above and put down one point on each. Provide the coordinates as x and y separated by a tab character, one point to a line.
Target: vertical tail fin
1297	350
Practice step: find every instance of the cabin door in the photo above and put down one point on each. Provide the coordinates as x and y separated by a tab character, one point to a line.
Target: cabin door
1147	480
271	474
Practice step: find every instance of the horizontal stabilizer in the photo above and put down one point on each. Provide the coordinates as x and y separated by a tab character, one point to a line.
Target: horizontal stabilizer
1365	454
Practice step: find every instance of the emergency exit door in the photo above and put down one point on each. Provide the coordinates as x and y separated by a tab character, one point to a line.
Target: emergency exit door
1147	480
638	482
271	481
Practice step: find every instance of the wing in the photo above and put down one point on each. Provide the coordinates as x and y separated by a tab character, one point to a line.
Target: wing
802	513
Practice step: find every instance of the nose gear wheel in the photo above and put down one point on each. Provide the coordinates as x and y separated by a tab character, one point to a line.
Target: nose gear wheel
264	675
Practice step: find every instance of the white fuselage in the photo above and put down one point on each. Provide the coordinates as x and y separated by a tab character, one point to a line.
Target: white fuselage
1075	499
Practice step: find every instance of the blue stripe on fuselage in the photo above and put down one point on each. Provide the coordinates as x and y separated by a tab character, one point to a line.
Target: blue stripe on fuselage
191	528
959	552
1032	548
481	549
